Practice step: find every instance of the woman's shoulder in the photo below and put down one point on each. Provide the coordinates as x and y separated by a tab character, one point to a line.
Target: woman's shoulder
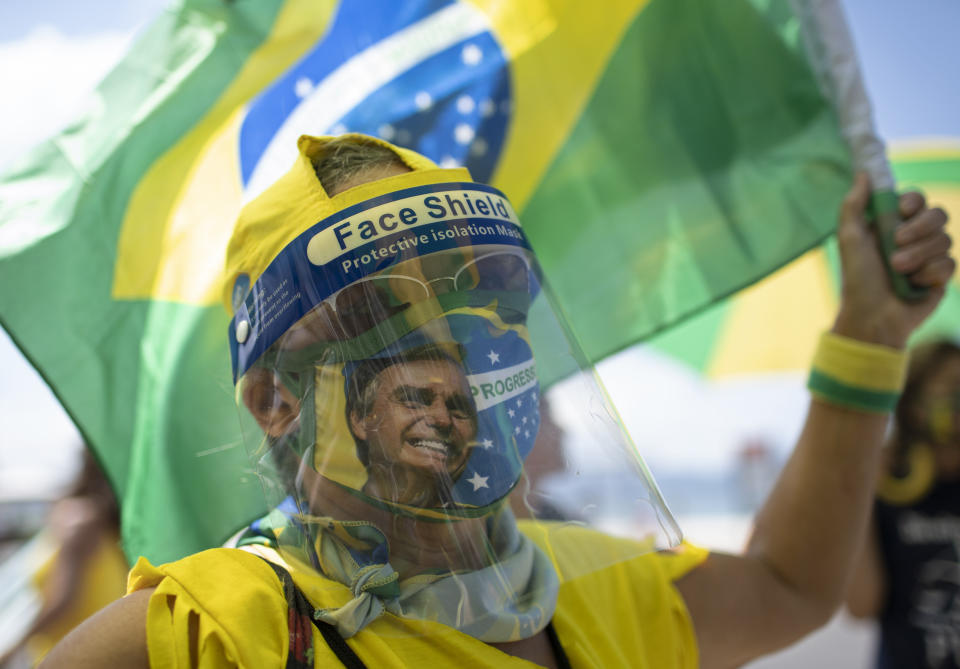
195	608
216	604
600	573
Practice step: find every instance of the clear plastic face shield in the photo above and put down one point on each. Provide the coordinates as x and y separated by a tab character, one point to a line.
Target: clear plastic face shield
389	355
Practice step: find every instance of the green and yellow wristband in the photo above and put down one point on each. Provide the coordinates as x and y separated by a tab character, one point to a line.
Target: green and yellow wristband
856	375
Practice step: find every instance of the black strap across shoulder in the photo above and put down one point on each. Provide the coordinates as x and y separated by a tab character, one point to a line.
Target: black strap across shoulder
300	619
562	661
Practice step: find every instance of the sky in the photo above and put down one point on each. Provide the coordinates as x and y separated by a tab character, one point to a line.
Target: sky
53	52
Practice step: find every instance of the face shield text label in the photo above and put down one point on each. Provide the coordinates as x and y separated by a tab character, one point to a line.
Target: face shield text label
426	242
361	240
401	245
409	214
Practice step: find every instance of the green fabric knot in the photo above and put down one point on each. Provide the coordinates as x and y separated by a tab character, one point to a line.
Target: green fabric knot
377	579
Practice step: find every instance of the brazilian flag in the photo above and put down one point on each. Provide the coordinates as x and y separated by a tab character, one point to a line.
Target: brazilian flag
662	154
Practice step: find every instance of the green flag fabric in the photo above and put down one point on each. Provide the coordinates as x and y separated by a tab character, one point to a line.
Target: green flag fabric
774	326
662	154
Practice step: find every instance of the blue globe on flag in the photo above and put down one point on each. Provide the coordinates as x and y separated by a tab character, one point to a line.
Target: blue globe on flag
427	75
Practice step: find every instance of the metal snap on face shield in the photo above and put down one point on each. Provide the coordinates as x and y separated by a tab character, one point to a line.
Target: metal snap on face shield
387	353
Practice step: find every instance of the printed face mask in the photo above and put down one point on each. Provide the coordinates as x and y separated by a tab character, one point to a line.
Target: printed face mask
421	399
442	419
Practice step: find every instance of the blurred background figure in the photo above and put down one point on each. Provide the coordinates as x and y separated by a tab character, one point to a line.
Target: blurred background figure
909	578
70	569
757	467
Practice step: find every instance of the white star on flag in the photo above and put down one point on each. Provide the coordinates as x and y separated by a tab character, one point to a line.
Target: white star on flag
303	87
471	54
526	433
423	100
516	430
511	413
478	481
519	402
494	357
486	443
524	420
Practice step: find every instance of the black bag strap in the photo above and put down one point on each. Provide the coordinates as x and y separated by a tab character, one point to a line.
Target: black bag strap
563	662
300	619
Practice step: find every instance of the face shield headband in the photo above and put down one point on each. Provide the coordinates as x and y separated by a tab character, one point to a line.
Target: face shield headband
399	326
364	240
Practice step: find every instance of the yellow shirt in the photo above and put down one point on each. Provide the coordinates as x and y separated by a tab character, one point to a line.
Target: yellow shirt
624	613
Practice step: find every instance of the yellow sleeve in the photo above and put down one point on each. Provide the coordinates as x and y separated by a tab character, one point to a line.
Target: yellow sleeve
679	561
673	564
630	614
219	588
618	606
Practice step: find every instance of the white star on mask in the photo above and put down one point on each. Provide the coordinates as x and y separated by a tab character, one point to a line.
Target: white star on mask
478	481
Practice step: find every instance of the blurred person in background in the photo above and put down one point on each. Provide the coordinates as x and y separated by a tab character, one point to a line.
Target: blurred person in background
87	569
756	472
909	572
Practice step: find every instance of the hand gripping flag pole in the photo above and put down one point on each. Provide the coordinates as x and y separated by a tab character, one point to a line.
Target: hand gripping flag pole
834	59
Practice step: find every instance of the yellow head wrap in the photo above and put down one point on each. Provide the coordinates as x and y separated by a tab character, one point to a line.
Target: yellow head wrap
297	201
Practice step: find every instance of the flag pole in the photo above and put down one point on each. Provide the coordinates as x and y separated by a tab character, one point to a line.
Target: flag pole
833	56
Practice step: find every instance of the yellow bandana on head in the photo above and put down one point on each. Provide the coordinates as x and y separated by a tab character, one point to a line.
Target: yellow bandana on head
297	201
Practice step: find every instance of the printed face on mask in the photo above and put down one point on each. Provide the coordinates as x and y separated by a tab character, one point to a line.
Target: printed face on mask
417	430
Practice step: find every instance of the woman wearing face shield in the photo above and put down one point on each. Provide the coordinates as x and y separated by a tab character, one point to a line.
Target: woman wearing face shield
383	340
909	572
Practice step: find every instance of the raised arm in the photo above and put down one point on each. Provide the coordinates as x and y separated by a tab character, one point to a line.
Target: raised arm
794	572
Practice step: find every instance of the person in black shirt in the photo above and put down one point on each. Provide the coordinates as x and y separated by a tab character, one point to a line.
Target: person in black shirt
909	578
